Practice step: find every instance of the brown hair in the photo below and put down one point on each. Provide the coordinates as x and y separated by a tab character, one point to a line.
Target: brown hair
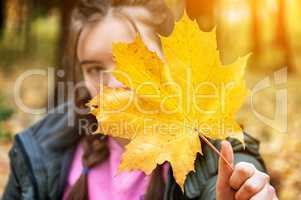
95	146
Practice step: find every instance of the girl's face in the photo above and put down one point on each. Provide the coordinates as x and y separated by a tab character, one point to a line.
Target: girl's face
95	48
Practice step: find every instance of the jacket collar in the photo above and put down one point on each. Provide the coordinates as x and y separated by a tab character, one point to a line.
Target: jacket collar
49	147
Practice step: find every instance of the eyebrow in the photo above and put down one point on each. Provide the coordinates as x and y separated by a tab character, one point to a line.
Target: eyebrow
86	62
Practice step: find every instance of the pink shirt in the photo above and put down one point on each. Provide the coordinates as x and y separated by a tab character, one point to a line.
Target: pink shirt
103	181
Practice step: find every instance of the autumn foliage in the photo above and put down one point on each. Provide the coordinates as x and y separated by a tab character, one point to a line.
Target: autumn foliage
167	103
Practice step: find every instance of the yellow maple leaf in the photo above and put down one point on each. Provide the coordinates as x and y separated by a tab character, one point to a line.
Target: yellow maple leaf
166	105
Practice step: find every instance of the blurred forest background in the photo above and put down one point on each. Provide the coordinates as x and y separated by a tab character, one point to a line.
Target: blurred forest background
33	32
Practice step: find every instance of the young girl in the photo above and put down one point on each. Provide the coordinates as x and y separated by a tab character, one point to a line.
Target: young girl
53	160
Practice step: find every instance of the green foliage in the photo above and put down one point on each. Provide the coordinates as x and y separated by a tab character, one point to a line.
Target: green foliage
5	114
35	46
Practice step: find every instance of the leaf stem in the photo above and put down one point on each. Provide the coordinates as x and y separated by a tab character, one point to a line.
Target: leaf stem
214	149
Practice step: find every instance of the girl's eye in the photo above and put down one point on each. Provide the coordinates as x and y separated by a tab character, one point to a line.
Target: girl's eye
95	70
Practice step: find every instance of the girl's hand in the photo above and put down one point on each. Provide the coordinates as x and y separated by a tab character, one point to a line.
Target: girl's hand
243	182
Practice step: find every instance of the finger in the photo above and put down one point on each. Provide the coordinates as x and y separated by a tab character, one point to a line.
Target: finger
252	186
275	194
275	197
267	193
242	171
224	171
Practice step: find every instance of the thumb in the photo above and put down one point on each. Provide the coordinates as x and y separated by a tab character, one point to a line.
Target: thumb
223	188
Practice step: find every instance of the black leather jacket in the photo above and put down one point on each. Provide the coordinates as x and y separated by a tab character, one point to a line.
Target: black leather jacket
41	156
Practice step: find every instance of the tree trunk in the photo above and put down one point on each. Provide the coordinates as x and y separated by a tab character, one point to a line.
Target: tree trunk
2	17
65	7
